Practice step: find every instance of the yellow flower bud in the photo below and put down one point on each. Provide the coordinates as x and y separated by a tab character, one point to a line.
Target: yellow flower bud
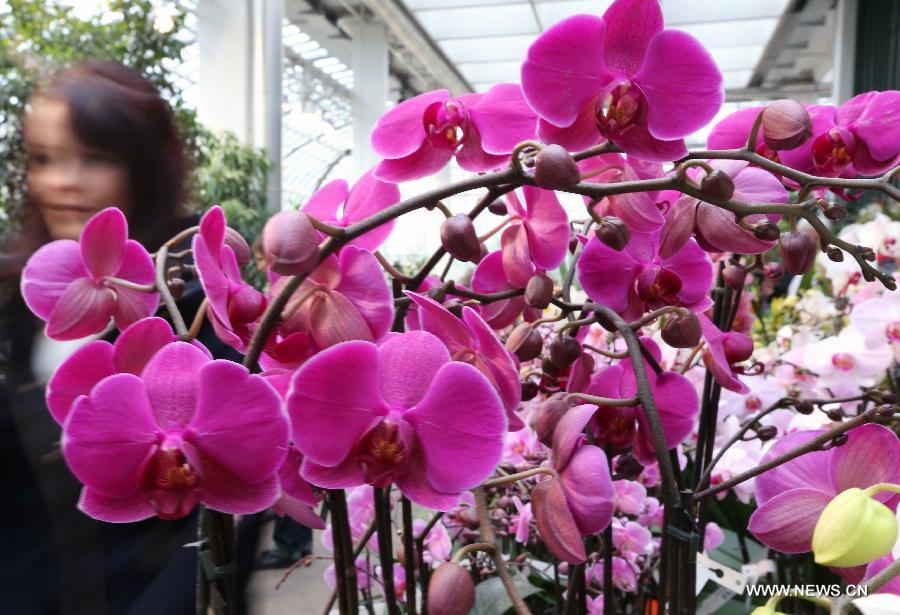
854	529
766	610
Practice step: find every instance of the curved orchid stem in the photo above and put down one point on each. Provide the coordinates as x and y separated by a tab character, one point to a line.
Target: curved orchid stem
888	573
603	401
813	445
168	300
495	230
754	133
181	236
880	488
505	480
197	323
387	266
324	227
489	536
143	288
650	317
472	548
606	353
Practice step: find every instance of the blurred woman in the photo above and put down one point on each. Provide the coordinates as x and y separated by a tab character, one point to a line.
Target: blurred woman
97	135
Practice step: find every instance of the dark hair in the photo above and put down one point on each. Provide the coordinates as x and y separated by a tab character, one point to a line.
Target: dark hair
116	109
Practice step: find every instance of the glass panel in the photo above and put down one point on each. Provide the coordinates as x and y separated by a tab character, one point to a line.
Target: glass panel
479	21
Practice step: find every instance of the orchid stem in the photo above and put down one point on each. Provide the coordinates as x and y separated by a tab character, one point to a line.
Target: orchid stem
144	288
489	536
472	548
163	288
505	480
604	401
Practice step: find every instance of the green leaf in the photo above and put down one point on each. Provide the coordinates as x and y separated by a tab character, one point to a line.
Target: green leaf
491	597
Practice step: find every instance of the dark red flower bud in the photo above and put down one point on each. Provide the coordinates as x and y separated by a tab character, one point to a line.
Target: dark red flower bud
766	231
628	466
836	415
785	125
564	351
798	251
238	245
290	243
804	407
868	254
454	306
573	243
555	169
718	185
766	432
833	211
459	238
773	270
498	208
245	305
549	367
681	331
734	277
737	347
530	389
547	416
613	232
176	287
525	342
450	590
835	253
539	291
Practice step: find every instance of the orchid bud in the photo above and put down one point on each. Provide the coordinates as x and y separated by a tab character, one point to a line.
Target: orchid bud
459	238
450	590
564	351
176	287
613	232
290	243
804	407
718	185
798	251
773	270
555	169
573	243
766	432
454	306
834	211
737	347
548	366
245	305
853	529
555	522
238	245
868	254
525	342
836	415
766	610
498	208
785	125
734	277
481	254
539	291
530	389
628	466
835	254
547	416
682	331
766	231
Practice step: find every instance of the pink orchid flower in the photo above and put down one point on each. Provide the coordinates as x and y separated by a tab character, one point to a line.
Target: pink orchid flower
490	277
642	212
188	430
638	278
632	538
412	417
72	284
520	522
471	340
96	360
624	77
297	499
860	136
538	236
234	305
367	197
438	546
420	135
716	229
792	496
630	496
724	350
579	500
733	132
676	400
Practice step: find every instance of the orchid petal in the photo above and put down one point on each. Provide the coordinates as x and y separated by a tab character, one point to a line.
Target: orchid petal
401	131
103	242
786	522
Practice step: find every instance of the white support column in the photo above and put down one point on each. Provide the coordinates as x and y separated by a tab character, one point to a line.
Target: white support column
369	61
846	13
267	98
224	35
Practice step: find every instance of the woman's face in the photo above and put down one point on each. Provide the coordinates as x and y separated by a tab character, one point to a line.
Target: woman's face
68	181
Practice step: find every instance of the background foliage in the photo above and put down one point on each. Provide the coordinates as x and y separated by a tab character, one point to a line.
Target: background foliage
38	37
